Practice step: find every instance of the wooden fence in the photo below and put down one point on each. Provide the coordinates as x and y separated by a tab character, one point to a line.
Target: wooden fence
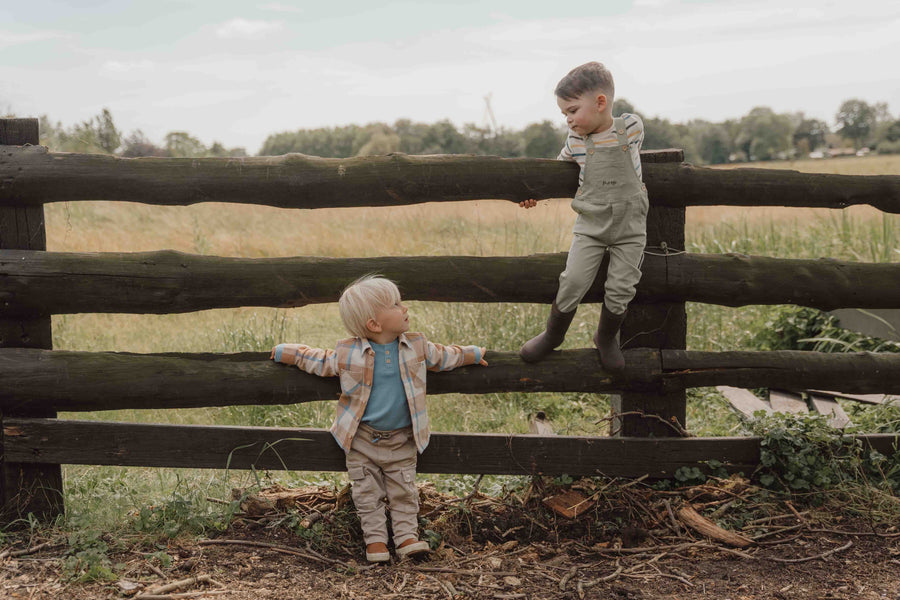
36	381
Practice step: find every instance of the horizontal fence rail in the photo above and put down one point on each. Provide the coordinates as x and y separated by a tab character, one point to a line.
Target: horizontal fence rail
221	447
89	381
45	283
33	175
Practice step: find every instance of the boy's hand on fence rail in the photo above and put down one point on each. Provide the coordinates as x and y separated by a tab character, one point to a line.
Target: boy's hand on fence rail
530	203
483	362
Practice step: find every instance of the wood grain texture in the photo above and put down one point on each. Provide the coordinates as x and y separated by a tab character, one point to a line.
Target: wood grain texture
32	175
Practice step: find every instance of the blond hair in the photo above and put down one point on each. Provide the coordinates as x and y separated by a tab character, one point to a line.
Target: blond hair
362	299
586	78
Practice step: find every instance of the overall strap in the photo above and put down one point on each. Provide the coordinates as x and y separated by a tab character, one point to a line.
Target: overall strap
619	127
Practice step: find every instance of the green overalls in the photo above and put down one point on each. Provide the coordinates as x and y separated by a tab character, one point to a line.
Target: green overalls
612	216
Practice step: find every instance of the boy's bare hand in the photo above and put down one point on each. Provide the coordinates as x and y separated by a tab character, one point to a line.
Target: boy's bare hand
530	203
483	362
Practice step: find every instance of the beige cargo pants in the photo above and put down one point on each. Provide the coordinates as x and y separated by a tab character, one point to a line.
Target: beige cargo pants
382	469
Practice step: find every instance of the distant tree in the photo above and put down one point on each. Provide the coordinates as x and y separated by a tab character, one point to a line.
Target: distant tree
660	134
444	138
137	145
218	149
809	134
543	140
411	136
712	141
621	106
381	141
764	135
892	133
857	119
51	133
108	136
180	144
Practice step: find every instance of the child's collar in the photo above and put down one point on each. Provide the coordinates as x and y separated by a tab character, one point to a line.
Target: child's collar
366	343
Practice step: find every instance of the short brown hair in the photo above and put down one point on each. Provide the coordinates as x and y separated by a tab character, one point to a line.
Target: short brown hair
585	78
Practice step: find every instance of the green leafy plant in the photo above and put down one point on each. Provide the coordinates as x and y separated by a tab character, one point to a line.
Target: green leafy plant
799	328
802	452
87	558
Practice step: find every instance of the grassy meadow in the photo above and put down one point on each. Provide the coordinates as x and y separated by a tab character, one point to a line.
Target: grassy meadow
102	496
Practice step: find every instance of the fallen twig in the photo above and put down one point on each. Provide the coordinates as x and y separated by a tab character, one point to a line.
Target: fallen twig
163	590
32	550
856	533
786	560
199	594
282	549
462	571
565	578
809	558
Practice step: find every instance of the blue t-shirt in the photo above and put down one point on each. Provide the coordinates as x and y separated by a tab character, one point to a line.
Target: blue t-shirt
387	408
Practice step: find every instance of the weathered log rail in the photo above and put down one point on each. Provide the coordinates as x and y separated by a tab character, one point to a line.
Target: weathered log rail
91	381
45	283
32	175
275	448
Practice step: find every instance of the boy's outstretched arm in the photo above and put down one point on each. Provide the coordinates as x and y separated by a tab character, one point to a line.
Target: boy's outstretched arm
312	360
446	358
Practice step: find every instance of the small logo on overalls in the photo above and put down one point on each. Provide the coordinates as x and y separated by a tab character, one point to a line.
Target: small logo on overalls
609	182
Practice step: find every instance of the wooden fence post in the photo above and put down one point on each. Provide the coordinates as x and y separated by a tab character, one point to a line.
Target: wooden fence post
25	488
660	325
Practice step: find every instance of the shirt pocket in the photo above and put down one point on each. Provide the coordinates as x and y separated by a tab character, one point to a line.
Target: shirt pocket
352	378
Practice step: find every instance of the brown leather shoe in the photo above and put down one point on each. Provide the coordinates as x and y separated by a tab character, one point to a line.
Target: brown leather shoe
377	552
412	547
555	333
606	342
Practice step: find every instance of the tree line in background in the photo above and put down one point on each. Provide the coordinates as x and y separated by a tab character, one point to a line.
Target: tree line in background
760	135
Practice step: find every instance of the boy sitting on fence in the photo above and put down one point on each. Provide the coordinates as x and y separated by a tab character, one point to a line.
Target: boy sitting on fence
612	205
381	418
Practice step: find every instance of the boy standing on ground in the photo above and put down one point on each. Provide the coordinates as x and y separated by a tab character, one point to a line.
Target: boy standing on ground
381	418
612	205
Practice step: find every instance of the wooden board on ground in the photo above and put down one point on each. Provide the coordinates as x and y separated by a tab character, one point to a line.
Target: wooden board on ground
829	407
568	504
540	424
864	398
787	402
744	401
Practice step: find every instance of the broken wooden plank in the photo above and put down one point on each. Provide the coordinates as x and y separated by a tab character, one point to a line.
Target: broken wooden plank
787	402
568	504
864	398
830	408
744	401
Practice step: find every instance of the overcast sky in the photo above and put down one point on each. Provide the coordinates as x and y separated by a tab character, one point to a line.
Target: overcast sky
237	71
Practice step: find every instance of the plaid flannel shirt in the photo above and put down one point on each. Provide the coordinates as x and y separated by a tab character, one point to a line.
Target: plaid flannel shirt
353	360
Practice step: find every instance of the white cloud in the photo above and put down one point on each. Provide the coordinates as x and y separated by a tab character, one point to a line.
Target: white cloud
247	29
13	38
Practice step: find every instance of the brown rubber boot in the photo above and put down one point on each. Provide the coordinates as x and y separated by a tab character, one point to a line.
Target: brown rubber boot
606	342
543	344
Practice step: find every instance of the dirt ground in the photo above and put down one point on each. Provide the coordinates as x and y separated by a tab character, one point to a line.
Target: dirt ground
621	543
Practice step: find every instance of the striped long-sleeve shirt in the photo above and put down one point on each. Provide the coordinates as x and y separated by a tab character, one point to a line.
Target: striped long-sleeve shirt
353	360
574	149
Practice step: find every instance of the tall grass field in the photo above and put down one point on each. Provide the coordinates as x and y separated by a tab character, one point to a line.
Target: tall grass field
106	497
